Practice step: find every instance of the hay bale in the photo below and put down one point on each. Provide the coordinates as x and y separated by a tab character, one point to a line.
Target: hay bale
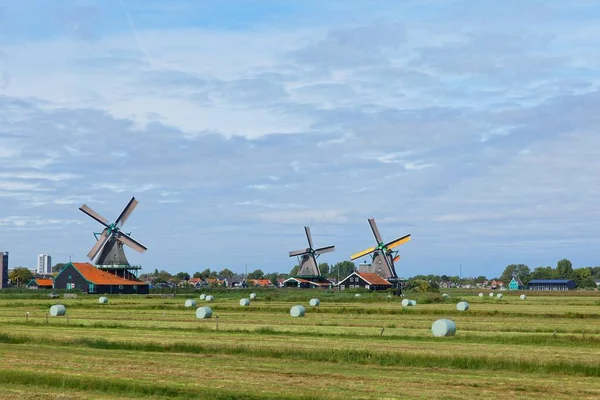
209	298
480	294
409	303
57	310
202	296
203	312
523	297
491	294
297	311
443	327
103	300
252	296
244	302
190	303
314	302
445	295
357	295
499	295
462	306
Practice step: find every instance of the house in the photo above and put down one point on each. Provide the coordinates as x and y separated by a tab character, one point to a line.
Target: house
261	282
89	279
40	283
195	282
302	283
363	280
515	284
551	284
494	284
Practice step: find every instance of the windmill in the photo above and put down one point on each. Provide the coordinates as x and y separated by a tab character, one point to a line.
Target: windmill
383	256
308	266
108	250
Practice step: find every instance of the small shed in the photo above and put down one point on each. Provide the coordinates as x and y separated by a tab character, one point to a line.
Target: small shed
40	283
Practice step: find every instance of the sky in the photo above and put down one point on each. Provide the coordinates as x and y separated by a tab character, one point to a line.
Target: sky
471	125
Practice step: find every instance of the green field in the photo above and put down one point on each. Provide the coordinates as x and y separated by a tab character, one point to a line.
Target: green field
547	346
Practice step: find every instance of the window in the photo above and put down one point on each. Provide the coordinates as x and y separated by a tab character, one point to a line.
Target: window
70	277
366	286
120	286
70	286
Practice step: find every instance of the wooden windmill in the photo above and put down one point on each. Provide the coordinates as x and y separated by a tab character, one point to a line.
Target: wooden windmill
307	262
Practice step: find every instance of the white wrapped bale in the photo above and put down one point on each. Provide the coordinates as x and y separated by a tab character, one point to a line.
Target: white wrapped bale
409	303
314	302
357	295
462	306
297	311
252	296
244	302
190	303
57	310
499	295
445	295
480	294
202	296
103	300
203	312
491	294
443	328
523	297
209	298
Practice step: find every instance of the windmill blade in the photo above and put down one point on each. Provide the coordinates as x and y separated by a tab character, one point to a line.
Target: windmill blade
131	242
94	215
308	236
375	230
396	258
398	242
127	211
324	250
99	244
362	253
299	252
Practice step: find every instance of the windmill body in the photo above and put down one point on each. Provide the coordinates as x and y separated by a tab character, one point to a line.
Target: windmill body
307	263
108	252
383	255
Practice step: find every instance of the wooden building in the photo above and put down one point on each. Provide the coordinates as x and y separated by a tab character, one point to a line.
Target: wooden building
363	280
40	283
317	283
89	279
515	284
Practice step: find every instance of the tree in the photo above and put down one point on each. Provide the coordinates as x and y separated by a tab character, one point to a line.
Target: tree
58	267
183	276
587	283
324	269
227	273
198	275
417	285
564	269
294	270
256	274
342	269
272	277
20	276
543	273
520	270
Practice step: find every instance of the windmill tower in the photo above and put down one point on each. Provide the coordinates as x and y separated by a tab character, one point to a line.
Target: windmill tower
108	251
307	258
383	256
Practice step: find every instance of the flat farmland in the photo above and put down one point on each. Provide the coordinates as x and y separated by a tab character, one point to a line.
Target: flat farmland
367	347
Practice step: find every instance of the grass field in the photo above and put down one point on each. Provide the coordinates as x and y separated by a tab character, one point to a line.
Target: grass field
547	346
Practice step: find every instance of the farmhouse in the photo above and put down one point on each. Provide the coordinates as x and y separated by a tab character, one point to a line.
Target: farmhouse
551	284
40	283
89	279
515	284
307	284
363	280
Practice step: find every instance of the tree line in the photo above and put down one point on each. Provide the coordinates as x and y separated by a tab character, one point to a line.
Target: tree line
584	277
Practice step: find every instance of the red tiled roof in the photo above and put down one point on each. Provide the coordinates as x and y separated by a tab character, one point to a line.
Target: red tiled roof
373	279
195	280
99	277
44	282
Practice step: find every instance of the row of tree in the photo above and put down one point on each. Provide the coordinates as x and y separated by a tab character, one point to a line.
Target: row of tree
583	277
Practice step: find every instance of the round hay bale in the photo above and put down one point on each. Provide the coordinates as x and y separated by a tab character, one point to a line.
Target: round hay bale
244	302
357	295
190	303
203	312
409	303
445	295
103	300
252	296
389	296
491	294
57	310
523	296
297	311
480	294
499	295
209	298
462	306
314	302
202	296
443	327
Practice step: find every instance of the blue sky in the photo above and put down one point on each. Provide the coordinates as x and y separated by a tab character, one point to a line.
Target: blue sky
471	125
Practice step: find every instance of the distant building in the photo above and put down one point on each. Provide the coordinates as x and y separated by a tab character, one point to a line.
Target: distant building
363	280
40	283
89	279
551	284
3	269
515	284
494	284
296	282
44	264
